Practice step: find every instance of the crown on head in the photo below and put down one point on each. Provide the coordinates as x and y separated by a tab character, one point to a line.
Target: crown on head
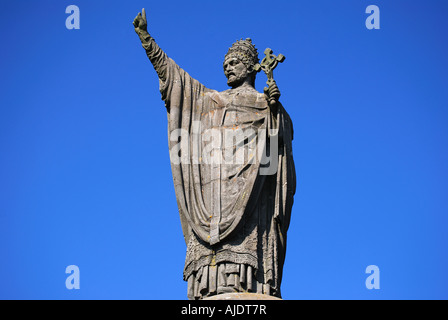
246	51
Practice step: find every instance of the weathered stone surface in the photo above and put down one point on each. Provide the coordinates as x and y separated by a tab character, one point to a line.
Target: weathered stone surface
233	171
242	296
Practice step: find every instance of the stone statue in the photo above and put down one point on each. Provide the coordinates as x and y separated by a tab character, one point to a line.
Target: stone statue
233	171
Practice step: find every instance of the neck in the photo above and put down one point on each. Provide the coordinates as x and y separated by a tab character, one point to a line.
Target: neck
245	85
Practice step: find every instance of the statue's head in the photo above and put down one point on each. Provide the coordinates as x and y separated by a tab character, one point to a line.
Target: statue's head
239	63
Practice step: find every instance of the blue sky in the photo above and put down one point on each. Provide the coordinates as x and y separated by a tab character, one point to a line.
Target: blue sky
85	175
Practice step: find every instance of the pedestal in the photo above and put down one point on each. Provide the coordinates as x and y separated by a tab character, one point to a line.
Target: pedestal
242	296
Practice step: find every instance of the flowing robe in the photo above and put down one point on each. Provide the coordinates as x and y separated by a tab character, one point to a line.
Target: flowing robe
234	179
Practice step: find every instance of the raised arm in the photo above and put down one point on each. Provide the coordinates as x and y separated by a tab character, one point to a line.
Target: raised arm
175	83
157	57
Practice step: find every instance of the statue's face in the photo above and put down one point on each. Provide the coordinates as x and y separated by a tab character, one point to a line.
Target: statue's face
235	71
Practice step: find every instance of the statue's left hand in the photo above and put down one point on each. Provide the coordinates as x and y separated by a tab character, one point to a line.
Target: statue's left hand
272	93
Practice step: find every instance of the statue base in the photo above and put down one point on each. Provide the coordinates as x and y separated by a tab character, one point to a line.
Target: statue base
242	296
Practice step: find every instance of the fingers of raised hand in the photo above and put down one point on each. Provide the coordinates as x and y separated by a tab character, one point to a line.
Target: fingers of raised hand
137	20
140	20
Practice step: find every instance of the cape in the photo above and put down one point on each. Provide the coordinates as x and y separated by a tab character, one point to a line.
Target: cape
213	196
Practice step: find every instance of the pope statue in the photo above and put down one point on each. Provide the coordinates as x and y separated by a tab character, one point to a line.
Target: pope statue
233	172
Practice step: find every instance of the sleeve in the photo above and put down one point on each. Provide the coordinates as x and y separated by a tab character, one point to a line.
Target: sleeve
182	95
176	85
286	173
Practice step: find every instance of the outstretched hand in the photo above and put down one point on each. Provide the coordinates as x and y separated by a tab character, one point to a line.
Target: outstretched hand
140	23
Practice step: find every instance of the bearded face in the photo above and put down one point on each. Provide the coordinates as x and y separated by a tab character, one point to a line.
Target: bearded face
235	71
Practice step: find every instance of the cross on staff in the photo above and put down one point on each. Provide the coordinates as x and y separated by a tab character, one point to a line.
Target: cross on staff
268	64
